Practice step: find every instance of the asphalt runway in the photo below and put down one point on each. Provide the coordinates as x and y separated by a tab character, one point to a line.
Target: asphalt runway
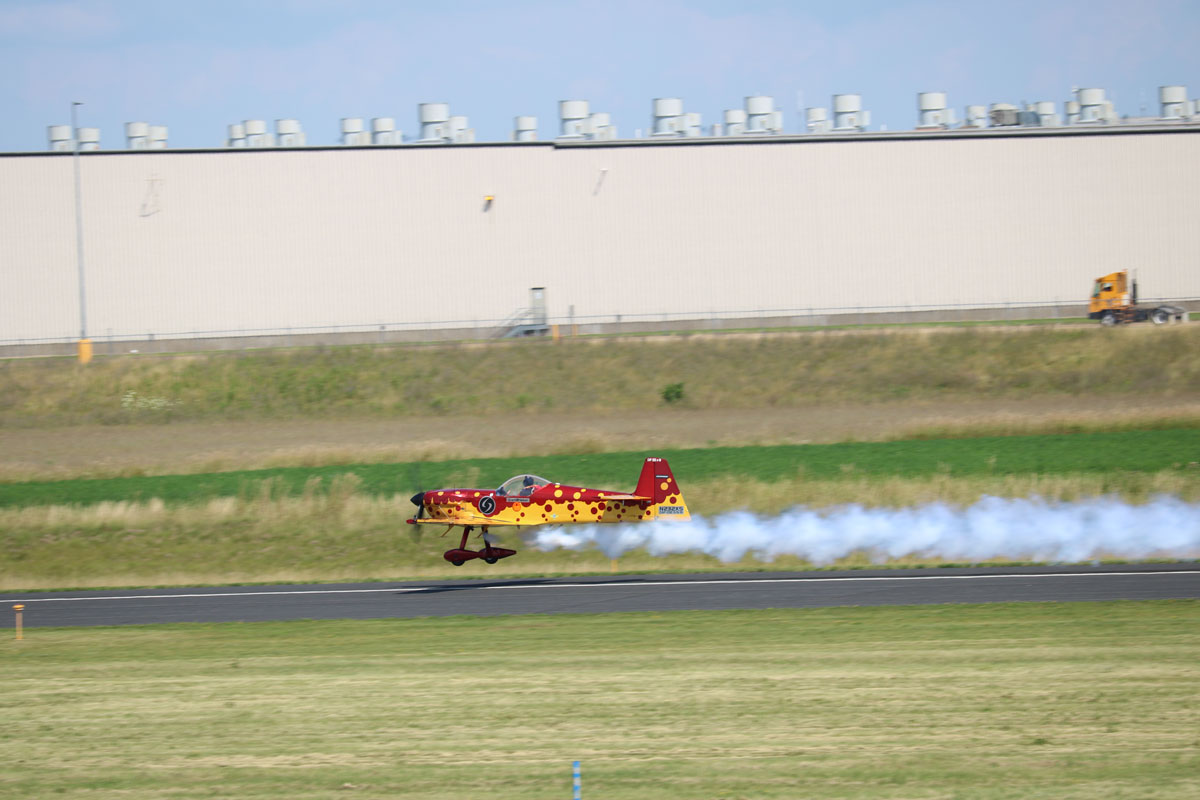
599	595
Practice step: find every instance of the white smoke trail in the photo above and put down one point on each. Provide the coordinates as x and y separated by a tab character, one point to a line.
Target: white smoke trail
994	527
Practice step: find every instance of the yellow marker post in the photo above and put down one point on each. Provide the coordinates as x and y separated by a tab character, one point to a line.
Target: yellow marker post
614	566
85	351
18	609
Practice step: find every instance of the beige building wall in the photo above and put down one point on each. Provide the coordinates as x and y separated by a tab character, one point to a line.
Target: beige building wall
180	243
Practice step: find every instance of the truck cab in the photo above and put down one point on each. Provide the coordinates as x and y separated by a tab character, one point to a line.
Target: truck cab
1111	291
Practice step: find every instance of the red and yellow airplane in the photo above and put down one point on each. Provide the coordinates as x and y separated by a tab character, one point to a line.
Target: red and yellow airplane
530	500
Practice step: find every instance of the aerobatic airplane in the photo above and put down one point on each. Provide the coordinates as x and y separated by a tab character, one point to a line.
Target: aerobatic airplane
530	500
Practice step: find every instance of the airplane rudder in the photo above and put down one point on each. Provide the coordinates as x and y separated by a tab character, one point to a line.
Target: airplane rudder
645	484
663	480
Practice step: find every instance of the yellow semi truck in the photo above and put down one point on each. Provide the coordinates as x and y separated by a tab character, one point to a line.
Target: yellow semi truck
1114	301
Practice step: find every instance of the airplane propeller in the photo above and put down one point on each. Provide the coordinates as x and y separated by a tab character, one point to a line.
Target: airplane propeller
415	531
418	500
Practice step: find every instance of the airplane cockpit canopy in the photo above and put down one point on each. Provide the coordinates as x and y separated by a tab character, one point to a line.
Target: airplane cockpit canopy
521	485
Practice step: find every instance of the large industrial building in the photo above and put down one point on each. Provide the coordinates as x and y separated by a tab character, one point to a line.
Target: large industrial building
393	241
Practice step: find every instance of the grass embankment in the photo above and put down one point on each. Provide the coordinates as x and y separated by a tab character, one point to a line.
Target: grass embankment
347	523
728	371
998	702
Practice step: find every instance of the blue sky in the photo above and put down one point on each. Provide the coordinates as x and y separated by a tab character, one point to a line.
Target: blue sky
196	66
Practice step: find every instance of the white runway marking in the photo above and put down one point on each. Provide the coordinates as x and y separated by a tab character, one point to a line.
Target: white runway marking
210	594
628	584
607	584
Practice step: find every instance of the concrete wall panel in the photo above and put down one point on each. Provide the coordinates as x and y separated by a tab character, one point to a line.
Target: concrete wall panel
222	241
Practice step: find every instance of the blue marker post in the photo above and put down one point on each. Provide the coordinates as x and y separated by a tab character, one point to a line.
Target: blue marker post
576	782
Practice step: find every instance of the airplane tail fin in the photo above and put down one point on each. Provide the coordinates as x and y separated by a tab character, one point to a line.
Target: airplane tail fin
658	483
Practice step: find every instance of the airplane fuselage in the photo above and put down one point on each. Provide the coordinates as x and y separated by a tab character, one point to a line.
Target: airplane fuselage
553	504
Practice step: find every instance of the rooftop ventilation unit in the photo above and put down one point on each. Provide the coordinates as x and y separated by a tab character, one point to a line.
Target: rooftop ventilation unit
1028	118
1173	102
289	134
383	131
1094	109
692	124
1071	107
1003	115
257	134
668	117
141	136
600	126
573	118
353	132
932	112
137	135
735	122
848	114
1047	114
237	135
761	116
89	138
60	138
435	122
524	129
977	117
817	120
459	132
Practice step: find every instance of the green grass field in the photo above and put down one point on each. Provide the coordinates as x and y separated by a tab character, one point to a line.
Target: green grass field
1073	701
347	522
1114	452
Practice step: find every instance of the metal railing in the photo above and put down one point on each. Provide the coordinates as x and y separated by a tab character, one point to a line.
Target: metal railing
486	328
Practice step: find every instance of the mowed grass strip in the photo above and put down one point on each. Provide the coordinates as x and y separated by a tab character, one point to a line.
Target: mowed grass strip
1115	452
996	702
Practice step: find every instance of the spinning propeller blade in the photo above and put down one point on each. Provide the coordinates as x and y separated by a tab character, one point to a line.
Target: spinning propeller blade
418	500
414	530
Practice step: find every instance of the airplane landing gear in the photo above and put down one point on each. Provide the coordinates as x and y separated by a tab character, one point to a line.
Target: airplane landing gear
460	555
493	554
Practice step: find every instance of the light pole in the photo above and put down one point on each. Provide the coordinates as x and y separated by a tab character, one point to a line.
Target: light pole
85	344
